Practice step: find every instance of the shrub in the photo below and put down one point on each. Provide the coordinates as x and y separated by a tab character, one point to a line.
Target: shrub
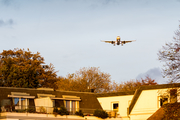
100	113
80	113
13	108
55	110
31	110
42	109
63	111
20	110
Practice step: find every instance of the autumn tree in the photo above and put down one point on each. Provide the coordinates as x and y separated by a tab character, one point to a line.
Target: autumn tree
64	84
20	68
170	55
48	77
86	79
171	111
132	85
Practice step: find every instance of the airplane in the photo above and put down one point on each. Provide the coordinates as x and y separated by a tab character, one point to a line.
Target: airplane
118	41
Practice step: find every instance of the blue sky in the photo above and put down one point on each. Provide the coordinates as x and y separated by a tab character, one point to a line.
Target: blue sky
67	33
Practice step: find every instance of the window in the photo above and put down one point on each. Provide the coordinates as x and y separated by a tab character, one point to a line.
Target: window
72	106
163	101
115	106
68	105
71	103
20	103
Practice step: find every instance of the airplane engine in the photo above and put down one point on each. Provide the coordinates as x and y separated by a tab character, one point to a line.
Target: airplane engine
123	42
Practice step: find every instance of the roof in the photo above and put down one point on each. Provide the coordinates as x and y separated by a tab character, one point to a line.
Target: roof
115	94
158	115
167	111
150	87
88	100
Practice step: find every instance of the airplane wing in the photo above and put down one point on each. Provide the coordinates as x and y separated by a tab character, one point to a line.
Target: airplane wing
112	42
127	41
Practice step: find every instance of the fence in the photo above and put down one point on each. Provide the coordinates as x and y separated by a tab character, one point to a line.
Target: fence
43	109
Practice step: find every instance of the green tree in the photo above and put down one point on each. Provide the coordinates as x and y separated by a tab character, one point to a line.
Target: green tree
170	55
20	68
84	79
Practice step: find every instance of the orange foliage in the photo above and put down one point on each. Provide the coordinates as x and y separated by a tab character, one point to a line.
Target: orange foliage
20	68
132	85
86	79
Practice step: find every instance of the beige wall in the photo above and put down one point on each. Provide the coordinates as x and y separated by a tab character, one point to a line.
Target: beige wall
147	103
42	104
124	101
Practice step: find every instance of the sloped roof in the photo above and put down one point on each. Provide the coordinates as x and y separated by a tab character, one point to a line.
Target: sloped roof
158	115
88	100
150	87
173	110
115	94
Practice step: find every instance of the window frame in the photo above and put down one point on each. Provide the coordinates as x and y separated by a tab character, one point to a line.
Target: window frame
112	106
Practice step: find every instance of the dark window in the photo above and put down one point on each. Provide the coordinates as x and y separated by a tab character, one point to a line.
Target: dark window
115	106
68	105
163	101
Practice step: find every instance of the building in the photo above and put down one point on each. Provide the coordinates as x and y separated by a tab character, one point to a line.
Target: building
23	98
135	105
117	102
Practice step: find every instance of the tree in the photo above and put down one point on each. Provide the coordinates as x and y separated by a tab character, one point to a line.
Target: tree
170	104
48	77
170	54
171	111
65	84
132	85
86	79
20	68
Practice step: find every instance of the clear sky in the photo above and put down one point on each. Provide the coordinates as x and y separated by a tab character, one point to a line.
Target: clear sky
67	33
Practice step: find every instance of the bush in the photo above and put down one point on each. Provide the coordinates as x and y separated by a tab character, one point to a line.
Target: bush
80	113
100	113
42	109
20	110
13	108
63	111
31	110
55	110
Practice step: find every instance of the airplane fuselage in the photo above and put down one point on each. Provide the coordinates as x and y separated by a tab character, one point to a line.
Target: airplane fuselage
118	40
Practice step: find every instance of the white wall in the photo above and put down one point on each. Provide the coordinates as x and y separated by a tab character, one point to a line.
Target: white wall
124	101
147	103
44	103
